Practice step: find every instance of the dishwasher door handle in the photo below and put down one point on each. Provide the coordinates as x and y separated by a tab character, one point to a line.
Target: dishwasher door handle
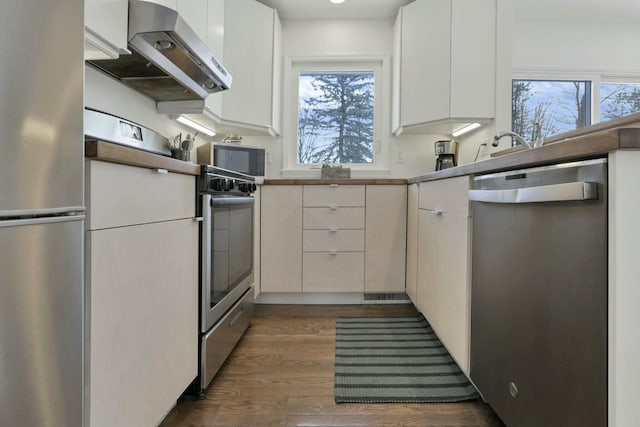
571	191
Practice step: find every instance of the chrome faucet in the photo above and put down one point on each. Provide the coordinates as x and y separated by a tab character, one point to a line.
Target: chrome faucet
521	140
539	141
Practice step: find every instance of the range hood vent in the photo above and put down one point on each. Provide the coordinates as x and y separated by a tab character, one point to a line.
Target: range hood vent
168	61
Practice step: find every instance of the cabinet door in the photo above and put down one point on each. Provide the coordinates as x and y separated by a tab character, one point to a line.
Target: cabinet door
143	293
412	243
281	238
105	24
425	61
386	238
473	58
248	48
450	313
215	42
427	262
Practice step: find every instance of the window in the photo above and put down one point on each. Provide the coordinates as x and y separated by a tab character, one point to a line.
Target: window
336	117
557	105
618	99
333	113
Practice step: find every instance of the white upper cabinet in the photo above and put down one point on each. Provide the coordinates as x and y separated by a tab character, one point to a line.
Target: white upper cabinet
444	65
251	41
246	37
105	28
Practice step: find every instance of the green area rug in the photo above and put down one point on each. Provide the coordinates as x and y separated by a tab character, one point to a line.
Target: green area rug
395	360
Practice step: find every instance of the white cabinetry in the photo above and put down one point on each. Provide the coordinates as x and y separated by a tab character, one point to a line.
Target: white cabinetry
413	195
386	238
445	65
333	245
252	40
443	274
105	28
247	40
142	292
281	238
333	238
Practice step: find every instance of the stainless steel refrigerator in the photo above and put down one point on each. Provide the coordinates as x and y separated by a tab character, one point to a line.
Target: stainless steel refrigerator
41	213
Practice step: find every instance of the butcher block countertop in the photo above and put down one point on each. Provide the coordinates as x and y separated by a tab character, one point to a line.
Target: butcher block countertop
109	152
338	181
591	143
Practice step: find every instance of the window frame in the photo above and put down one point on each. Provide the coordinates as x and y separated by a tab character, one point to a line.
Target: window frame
596	79
380	65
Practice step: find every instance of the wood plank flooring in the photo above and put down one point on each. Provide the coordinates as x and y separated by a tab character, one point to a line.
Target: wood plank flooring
281	374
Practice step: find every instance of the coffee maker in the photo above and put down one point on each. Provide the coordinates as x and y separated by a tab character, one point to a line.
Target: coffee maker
447	154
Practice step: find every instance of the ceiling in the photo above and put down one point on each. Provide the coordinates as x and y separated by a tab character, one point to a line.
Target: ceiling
323	9
553	10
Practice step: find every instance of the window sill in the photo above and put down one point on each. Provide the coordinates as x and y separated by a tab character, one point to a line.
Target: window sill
355	173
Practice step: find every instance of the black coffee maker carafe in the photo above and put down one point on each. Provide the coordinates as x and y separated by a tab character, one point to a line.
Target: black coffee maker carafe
447	153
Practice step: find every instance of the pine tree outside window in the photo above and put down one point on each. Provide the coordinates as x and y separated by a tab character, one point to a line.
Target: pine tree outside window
335	112
336	117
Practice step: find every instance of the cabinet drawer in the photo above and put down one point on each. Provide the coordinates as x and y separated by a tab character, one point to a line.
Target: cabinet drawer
334	218
333	241
447	195
333	195
119	195
341	272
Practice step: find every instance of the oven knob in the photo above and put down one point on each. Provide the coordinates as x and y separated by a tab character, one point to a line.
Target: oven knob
244	187
253	187
231	184
217	184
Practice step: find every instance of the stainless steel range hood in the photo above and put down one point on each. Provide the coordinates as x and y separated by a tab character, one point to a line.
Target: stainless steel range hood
168	62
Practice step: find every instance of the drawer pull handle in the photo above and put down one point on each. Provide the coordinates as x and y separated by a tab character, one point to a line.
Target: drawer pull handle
333	185
161	171
436	212
333	252
333	229
333	208
198	219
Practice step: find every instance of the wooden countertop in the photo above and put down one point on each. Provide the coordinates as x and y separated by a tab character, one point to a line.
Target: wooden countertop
329	181
109	152
577	145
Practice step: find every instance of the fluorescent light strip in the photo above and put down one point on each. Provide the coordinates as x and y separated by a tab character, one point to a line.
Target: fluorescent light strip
465	129
193	125
336	1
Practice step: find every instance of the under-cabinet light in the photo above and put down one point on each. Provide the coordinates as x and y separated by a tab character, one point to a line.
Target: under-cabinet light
336	1
193	125
465	129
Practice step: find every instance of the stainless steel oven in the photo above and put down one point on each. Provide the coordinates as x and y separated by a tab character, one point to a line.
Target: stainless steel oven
226	205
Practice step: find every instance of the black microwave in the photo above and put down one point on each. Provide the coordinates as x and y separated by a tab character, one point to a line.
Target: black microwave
238	158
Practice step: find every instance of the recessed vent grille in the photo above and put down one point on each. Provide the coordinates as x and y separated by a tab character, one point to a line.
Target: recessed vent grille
398	296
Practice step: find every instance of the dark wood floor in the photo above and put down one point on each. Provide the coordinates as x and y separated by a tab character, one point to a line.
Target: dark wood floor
281	374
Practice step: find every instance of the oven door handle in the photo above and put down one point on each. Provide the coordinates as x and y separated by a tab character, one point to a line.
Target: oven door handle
226	201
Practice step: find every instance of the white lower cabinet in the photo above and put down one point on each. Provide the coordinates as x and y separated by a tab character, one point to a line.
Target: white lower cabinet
443	264
386	238
281	238
333	272
333	238
141	298
412	243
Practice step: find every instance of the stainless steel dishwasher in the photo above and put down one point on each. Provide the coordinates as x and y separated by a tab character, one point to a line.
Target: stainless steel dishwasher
539	294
